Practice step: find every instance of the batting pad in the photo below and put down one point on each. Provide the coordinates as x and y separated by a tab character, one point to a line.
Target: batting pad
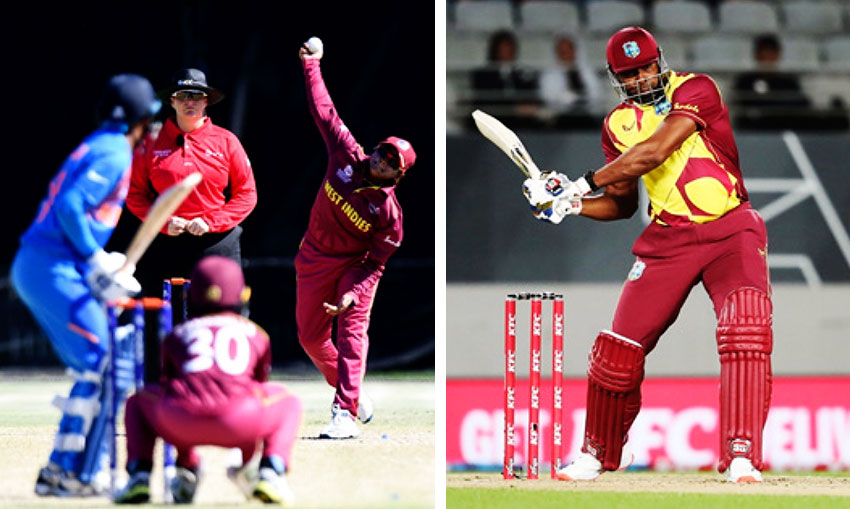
744	342
615	372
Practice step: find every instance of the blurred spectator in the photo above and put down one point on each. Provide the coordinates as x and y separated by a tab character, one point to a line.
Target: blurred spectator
766	95
569	87
512	89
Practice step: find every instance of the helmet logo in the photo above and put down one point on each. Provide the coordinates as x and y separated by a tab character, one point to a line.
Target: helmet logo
403	145
631	49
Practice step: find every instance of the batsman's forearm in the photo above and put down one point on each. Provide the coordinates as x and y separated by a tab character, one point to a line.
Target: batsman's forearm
607	208
635	162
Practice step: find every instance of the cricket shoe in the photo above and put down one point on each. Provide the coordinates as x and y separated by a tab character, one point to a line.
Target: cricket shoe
587	468
245	478
184	485
54	482
741	470
136	491
342	425
273	488
365	410
48	480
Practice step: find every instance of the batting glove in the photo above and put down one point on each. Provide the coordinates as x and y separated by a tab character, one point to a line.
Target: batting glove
104	279
552	197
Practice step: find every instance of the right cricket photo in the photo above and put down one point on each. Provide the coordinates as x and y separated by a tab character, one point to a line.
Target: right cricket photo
647	254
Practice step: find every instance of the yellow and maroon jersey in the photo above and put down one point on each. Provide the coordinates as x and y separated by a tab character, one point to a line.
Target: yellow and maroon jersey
701	180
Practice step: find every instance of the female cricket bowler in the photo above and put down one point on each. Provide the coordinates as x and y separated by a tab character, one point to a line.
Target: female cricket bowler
214	391
64	276
355	225
672	130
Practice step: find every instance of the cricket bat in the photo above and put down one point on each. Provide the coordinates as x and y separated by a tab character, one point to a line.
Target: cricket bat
159	213
505	139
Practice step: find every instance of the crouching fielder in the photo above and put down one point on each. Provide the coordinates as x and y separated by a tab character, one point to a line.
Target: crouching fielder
672	130
355	226
214	391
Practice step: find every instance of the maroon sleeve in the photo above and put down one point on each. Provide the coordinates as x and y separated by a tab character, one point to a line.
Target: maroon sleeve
698	99
243	190
608	147
336	135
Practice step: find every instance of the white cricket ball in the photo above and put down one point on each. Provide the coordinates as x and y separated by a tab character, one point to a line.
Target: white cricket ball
314	44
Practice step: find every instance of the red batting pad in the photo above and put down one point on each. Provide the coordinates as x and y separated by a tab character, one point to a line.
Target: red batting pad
745	342
614	373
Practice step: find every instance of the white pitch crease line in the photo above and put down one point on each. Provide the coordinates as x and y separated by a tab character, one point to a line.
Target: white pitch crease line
831	216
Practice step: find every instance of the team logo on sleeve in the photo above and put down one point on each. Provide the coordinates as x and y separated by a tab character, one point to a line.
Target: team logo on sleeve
631	49
637	270
345	174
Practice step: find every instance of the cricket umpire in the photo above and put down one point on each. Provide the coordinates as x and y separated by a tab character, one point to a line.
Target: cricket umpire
208	221
672	130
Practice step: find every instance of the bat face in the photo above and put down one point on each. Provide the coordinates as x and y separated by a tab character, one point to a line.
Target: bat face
507	141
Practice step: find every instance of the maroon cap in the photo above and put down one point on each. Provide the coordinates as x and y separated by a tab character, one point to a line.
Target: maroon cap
218	283
631	48
405	151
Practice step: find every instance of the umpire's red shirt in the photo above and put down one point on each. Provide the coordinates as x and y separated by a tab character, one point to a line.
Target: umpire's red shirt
351	220
208	362
225	196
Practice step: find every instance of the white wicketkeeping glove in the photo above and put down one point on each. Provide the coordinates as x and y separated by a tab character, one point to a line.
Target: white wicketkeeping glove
104	279
552	197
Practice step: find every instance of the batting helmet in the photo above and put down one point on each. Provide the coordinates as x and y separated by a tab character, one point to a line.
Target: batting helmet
630	48
128	98
217	285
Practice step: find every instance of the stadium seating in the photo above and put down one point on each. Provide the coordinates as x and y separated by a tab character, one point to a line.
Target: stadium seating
549	16
803	16
722	52
748	16
610	15
837	53
686	16
483	15
696	35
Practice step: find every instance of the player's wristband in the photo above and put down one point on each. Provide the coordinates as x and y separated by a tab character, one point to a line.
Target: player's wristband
588	177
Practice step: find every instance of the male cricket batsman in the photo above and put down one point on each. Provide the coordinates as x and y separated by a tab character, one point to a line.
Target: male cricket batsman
672	130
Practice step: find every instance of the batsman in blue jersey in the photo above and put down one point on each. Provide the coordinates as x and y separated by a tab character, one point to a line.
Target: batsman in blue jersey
64	276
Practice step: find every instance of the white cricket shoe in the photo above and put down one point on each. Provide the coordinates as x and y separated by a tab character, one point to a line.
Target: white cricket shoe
587	468
365	410
741	470
342	425
273	488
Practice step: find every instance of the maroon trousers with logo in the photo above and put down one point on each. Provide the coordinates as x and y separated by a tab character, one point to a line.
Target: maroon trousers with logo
729	257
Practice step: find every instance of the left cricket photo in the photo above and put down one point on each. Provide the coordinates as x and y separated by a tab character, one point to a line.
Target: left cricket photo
218	275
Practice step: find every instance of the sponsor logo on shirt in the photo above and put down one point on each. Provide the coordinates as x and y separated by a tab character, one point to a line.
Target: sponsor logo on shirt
637	270
346	208
691	107
162	153
392	242
345	174
373	209
213	153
